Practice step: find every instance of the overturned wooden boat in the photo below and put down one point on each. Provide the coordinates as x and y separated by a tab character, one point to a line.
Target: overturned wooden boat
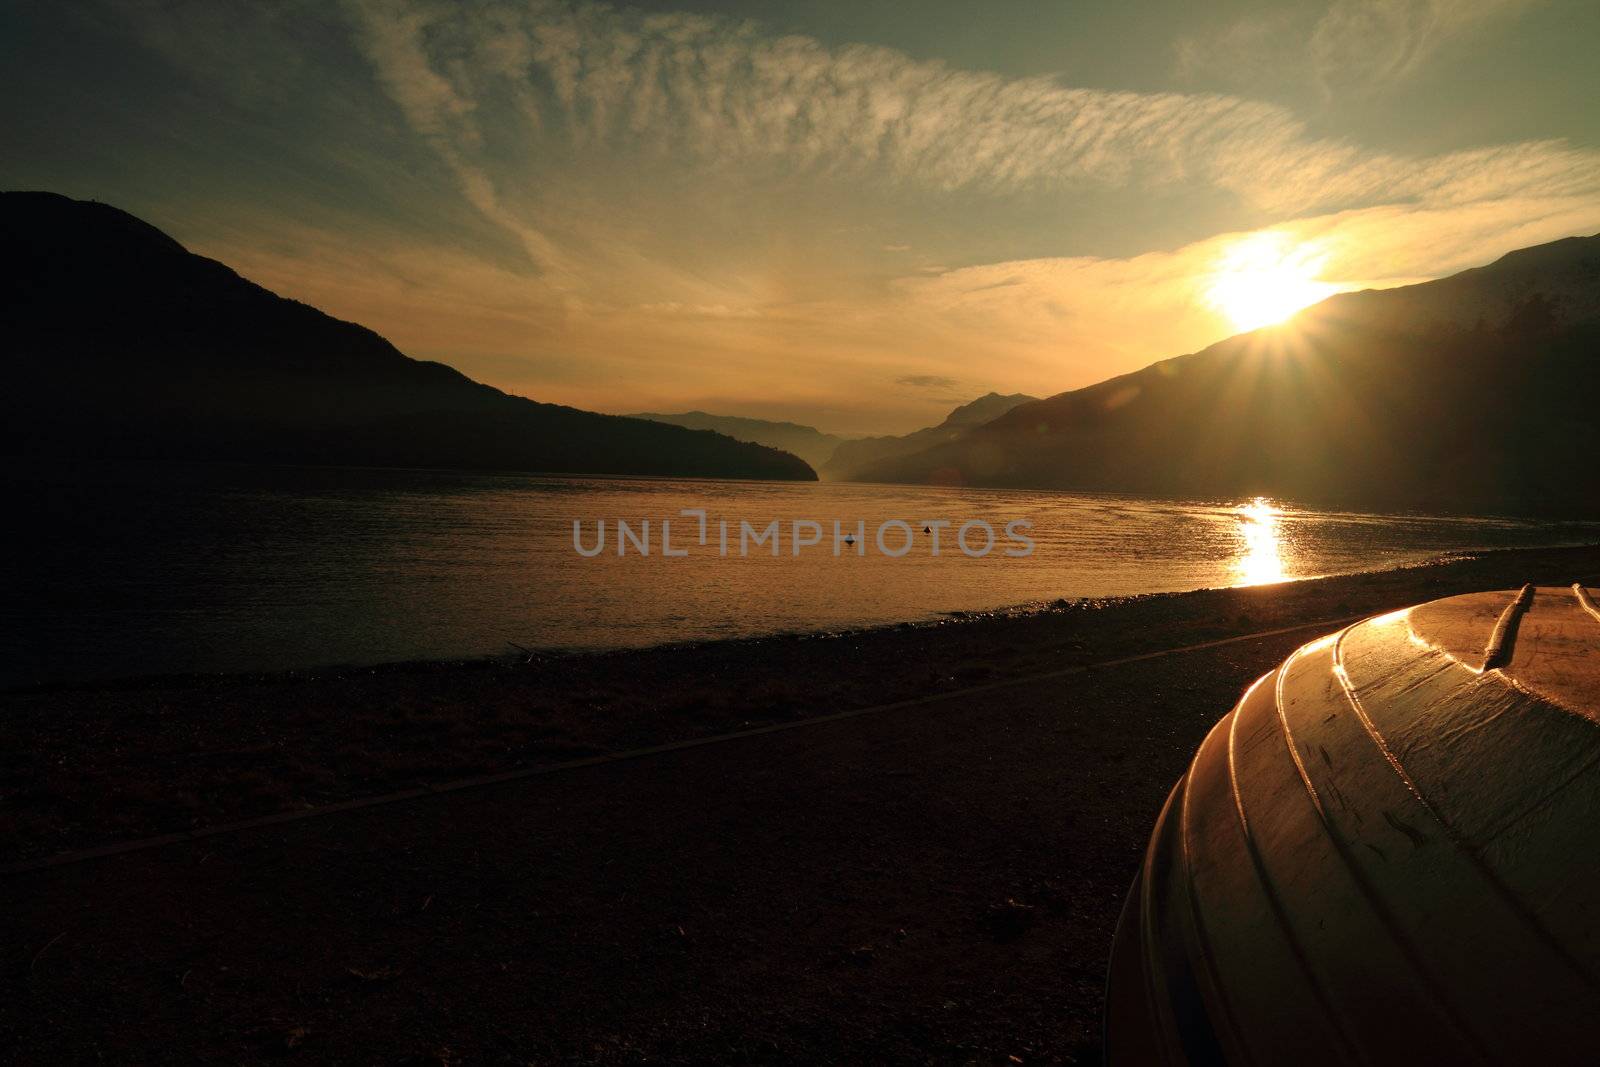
1388	852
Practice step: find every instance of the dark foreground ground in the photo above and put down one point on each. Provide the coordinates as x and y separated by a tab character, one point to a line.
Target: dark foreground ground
931	882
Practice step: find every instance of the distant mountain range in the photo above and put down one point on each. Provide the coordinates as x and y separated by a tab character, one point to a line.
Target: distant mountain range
852	457
838	456
125	345
807	442
1477	392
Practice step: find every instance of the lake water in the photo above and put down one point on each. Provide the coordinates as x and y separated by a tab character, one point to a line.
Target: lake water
139	569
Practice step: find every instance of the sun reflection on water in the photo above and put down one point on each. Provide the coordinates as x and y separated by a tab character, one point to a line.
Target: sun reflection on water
1261	561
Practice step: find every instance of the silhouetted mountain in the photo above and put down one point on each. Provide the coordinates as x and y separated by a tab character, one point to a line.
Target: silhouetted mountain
125	345
807	442
1474	392
852	456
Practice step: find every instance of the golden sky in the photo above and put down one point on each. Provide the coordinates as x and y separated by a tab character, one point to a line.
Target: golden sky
850	215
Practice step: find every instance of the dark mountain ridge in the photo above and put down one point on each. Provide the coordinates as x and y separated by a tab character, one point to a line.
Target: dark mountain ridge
1476	392
125	345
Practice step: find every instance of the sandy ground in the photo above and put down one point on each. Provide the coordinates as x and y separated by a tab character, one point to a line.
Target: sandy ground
934	882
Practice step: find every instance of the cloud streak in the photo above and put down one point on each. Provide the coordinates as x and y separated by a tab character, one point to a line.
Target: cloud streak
1349	48
927	381
716	93
1365	45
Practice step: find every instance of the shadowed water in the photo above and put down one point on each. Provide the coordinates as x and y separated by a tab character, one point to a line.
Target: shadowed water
140	569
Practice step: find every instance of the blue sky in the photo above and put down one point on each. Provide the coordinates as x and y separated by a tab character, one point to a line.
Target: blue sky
848	214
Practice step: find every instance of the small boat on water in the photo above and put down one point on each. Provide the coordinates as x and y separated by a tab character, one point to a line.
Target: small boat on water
1387	853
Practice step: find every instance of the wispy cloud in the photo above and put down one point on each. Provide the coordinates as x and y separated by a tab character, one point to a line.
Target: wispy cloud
1247	53
927	381
712	93
705	311
1364	45
439	110
1347	48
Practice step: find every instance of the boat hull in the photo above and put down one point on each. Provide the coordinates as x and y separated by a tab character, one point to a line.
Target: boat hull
1387	852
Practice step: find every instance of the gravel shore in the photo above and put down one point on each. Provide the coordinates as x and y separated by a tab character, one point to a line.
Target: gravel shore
934	880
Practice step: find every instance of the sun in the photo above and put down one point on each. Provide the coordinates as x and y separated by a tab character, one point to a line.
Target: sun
1266	277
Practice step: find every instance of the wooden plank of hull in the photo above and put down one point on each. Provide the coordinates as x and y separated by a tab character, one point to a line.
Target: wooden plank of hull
1252	936
1175	964
1220	859
1326	910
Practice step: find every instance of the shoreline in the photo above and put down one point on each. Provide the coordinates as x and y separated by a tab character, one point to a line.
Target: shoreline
188	751
530	653
1356	508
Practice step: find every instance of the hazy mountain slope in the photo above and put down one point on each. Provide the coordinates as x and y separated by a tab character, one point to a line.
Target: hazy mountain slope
1477	391
851	456
124	345
807	442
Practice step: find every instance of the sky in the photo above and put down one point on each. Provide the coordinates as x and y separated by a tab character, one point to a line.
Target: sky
853	214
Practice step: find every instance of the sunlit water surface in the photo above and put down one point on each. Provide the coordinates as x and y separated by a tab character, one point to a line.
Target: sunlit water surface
140	569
